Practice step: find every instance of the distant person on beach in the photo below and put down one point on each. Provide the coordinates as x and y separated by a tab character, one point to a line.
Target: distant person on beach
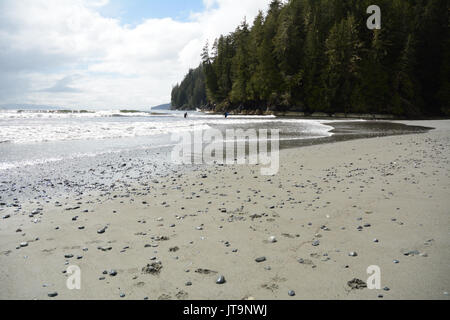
226	115
185	115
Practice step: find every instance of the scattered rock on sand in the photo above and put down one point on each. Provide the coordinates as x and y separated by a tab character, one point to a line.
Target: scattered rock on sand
220	280
411	253
357	284
113	273
205	271
260	259
102	230
153	268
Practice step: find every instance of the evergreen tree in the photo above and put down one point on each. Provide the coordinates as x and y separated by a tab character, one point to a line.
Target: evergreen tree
318	55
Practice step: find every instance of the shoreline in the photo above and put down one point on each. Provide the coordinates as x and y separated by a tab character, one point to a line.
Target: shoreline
323	193
322	115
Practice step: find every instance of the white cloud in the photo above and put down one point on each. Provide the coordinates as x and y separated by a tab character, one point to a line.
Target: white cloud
64	52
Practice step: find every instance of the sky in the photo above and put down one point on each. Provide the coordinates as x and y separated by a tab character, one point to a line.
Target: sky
107	53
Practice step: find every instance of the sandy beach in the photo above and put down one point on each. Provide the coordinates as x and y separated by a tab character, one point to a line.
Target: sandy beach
332	211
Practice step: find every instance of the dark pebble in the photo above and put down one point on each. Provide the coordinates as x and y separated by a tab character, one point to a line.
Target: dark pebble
260	259
221	280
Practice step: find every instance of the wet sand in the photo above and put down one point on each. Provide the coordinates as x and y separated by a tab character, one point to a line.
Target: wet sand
334	209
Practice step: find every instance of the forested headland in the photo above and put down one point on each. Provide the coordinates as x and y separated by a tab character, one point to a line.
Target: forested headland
319	56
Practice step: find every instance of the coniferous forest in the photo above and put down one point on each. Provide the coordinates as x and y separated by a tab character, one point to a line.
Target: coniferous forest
319	56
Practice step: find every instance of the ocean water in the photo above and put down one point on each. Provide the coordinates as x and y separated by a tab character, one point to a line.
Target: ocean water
55	155
30	138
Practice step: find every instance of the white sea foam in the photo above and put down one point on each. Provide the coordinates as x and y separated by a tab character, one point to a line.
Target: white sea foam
21	128
33	129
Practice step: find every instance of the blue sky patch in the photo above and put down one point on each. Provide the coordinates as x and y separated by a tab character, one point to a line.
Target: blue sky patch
133	12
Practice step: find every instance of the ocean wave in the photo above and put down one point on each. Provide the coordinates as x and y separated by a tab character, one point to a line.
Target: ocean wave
33	131
68	114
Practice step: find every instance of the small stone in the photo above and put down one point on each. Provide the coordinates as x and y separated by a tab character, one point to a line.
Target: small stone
102	230
353	254
24	244
52	294
260	259
188	284
272	239
316	243
411	253
122	295
113	273
396	261
291	293
221	280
